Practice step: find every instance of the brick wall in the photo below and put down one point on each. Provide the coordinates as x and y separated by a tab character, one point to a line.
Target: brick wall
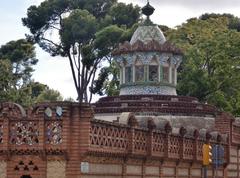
26	165
139	168
90	148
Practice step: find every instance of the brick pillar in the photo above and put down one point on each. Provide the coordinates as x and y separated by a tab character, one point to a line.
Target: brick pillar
6	130
143	168
78	138
132	122
160	169
41	138
150	143
151	127
223	124
182	132
168	130
166	145
42	144
131	134
195	149
124	167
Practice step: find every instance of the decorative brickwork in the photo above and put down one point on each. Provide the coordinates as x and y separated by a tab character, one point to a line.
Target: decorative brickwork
24	132
25	165
157	104
70	137
153	45
53	132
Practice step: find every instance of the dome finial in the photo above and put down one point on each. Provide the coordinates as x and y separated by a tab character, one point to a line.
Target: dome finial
148	9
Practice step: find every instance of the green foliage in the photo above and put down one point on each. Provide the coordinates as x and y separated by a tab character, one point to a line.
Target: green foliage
123	14
164	29
210	70
99	8
99	83
16	61
49	95
69	99
5	79
107	81
21	54
112	84
82	26
107	39
79	27
234	22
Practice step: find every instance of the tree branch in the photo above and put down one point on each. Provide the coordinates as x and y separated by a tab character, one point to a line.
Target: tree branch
52	43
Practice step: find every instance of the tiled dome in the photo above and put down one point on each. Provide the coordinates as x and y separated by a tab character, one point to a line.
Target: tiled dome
148	33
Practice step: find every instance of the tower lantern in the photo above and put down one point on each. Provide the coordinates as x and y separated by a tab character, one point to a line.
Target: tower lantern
148	63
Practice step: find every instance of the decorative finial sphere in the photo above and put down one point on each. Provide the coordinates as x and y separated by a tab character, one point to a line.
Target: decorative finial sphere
148	9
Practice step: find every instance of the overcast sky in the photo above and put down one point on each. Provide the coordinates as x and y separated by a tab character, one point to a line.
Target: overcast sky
55	72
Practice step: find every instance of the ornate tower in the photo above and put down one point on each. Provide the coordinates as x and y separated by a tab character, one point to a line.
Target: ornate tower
148	63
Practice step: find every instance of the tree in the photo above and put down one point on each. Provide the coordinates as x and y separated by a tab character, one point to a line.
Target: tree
233	22
16	61
106	41
76	24
16	65
48	95
120	14
210	70
107	81
22	56
5	79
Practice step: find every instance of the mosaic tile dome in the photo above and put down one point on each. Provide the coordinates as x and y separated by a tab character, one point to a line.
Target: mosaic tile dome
148	33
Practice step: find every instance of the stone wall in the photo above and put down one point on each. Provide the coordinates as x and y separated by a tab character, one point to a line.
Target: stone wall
233	167
56	169
3	169
142	168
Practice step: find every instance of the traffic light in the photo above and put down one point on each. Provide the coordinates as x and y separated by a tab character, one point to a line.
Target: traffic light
207	154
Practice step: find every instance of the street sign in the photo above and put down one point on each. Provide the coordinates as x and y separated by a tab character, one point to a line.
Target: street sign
218	155
84	167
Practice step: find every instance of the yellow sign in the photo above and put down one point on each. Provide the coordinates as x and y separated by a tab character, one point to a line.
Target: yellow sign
207	154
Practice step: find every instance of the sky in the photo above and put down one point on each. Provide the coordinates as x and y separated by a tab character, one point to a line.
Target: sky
56	73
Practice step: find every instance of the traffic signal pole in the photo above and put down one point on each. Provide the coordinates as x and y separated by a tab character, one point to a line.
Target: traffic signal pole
207	155
204	171
212	155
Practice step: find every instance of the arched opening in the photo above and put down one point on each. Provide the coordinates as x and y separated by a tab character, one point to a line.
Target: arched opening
128	74
165	74
153	73
139	71
26	176
174	74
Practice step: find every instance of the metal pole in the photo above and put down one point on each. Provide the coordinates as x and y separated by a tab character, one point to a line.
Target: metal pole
216	172
204	171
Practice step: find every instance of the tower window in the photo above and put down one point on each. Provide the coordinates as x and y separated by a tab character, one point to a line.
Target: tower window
139	73
173	75
165	74
128	74
153	73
